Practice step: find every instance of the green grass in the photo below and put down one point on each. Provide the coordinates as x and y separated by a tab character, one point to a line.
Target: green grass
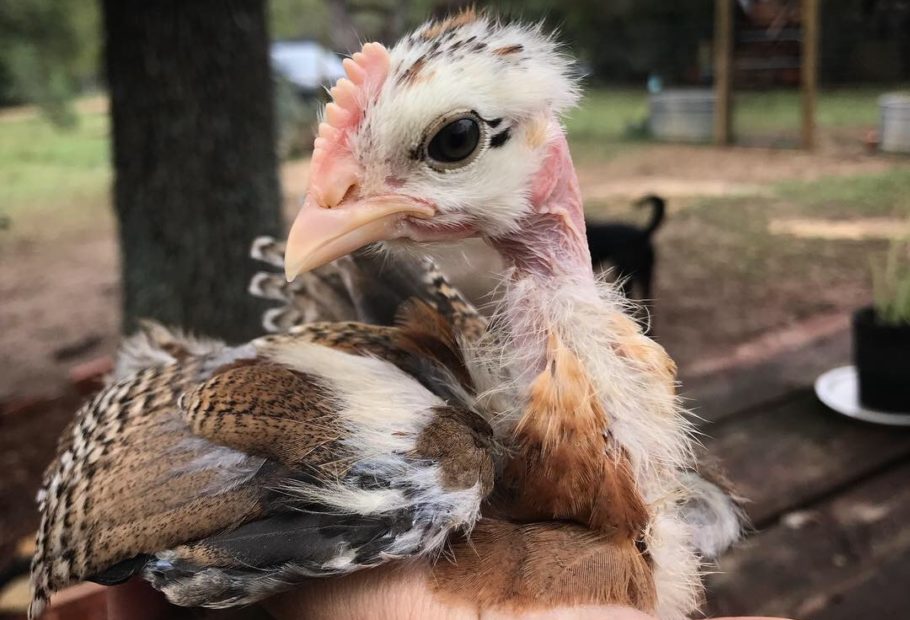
731	237
766	112
885	194
48	173
599	129
735	228
779	110
606	113
850	107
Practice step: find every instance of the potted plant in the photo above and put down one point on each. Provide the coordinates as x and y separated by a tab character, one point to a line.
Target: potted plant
881	336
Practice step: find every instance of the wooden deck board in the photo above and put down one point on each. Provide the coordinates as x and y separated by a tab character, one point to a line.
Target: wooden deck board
798	452
832	497
847	557
880	592
729	392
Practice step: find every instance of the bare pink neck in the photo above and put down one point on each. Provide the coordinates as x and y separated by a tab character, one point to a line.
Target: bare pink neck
549	257
550	243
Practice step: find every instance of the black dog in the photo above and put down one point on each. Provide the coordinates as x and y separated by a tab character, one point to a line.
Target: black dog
629	248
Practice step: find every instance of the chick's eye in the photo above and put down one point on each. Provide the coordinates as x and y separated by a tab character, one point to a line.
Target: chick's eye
454	143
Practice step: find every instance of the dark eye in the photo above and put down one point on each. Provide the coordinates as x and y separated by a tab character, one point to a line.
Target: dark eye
454	144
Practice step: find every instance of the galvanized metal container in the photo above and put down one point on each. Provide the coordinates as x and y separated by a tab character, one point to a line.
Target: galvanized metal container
895	123
682	115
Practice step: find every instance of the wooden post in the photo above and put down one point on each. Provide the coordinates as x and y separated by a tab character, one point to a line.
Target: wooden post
723	71
809	70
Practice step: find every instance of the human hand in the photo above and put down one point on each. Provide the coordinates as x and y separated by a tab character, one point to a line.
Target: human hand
406	593
385	593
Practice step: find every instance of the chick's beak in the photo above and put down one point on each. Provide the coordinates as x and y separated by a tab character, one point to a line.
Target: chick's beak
321	233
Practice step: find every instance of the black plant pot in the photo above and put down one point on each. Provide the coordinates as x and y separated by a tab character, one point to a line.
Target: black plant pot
881	353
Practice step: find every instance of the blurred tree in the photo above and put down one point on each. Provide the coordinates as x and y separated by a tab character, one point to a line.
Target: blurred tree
342	25
625	40
866	41
343	32
299	19
48	51
193	149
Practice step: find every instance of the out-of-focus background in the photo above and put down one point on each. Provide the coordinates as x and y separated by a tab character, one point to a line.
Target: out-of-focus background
776	131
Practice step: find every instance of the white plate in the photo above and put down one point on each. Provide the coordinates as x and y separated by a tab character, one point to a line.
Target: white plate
839	389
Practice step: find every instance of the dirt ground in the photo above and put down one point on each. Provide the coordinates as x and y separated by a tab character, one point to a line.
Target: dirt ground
726	277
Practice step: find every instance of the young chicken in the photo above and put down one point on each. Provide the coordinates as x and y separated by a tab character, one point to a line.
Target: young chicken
225	474
455	133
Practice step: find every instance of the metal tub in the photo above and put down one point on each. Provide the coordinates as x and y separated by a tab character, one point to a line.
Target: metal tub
895	123
682	115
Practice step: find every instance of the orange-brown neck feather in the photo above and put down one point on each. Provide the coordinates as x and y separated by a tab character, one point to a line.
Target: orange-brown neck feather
565	466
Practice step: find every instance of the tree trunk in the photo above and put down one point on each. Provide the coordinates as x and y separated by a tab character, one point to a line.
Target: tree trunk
193	151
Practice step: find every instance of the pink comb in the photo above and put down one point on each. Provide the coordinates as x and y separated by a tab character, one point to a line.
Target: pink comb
334	170
366	72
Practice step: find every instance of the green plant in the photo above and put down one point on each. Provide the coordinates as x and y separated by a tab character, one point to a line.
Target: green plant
891	285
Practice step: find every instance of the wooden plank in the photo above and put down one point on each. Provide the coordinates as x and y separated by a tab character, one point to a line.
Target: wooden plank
826	563
809	71
28	440
797	452
877	592
723	71
729	392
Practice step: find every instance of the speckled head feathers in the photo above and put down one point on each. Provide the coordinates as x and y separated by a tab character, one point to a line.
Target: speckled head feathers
516	67
513	67
511	77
